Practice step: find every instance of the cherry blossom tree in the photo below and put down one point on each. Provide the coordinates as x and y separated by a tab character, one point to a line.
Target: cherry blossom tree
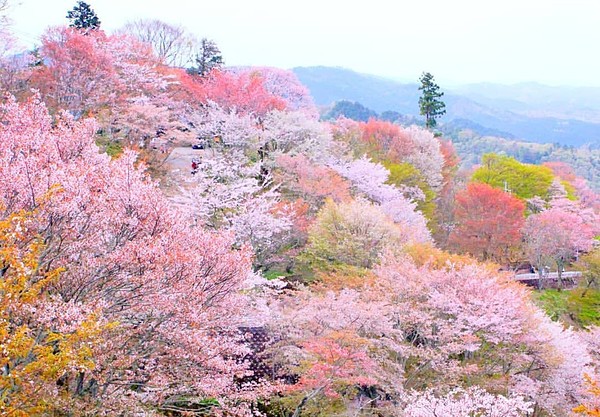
41	364
229	194
562	170
455	326
370	179
485	320
333	363
557	190
556	234
587	197
79	74
132	259
589	217
295	131
387	141
426	156
227	127
324	338
461	402
311	181
285	84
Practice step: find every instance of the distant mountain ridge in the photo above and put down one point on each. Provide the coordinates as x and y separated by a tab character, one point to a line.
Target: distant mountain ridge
528	111
581	103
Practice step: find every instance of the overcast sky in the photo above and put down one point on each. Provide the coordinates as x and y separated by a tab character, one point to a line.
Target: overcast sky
555	42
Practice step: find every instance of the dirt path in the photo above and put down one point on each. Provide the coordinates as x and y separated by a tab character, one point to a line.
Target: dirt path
178	168
179	160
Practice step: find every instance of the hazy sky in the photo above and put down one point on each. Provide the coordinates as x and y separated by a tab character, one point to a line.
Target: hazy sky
555	42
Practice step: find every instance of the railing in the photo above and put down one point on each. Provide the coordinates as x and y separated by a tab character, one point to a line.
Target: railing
549	279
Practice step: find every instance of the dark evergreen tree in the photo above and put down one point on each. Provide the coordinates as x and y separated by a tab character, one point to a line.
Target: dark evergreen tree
430	104
208	58
351	110
83	17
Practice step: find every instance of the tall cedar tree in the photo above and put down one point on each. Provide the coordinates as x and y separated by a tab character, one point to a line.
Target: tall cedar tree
430	104
83	17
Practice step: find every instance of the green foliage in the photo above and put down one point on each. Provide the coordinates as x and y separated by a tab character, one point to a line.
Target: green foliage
406	174
403	173
430	104
471	147
112	148
523	180
207	59
275	274
351	110
570	190
589	264
553	302
578	306
354	233
319	406
83	17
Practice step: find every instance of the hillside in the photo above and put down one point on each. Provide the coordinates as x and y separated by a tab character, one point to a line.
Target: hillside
184	242
529	116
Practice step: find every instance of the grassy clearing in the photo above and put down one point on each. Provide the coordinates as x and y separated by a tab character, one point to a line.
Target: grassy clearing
572	307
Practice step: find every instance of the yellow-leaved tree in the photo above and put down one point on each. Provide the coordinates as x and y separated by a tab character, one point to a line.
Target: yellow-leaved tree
588	409
39	364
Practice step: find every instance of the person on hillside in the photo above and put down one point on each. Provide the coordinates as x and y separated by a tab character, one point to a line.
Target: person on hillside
195	163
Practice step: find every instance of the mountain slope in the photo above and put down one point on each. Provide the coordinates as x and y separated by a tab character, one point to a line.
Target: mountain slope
496	110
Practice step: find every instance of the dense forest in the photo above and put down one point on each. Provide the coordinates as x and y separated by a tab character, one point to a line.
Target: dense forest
182	238
472	140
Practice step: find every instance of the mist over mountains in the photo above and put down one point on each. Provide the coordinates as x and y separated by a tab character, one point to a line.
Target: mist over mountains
533	112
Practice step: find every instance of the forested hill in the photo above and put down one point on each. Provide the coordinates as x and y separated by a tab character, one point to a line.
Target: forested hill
198	242
541	114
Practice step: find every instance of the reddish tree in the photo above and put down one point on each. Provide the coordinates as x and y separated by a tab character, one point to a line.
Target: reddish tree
313	181
386	137
245	92
488	222
285	84
241	92
78	73
335	362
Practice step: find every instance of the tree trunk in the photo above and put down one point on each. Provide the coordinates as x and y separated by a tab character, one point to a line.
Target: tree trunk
307	398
